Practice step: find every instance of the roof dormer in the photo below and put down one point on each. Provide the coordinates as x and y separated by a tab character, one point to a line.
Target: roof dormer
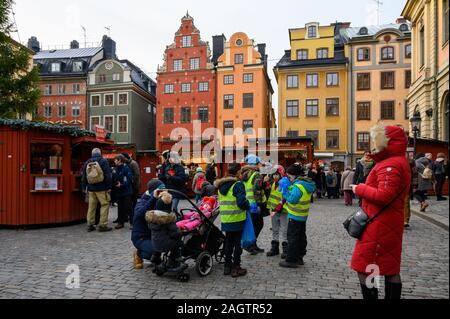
312	30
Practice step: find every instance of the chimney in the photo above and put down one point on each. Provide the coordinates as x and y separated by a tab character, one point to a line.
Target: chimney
401	20
33	44
218	47
74	44
109	47
262	51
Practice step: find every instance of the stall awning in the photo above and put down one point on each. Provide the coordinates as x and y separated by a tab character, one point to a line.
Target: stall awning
324	155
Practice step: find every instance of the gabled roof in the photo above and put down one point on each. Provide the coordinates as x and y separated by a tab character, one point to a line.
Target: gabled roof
67	53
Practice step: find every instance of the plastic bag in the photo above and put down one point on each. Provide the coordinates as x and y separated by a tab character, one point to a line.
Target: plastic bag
248	234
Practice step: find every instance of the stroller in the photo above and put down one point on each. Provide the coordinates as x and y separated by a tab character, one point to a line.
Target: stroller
202	244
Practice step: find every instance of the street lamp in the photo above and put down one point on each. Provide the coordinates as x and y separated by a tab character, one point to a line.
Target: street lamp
415	125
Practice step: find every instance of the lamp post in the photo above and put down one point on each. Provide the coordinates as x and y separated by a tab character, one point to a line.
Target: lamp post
415	125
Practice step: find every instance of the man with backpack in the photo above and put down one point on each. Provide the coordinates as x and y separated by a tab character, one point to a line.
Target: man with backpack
211	172
96	180
425	180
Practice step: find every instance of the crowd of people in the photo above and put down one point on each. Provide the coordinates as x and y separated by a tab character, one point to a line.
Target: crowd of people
246	192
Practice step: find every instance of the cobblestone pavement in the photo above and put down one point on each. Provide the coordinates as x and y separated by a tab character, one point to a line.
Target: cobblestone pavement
33	265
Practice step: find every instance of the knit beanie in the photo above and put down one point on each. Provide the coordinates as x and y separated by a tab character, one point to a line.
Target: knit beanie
295	170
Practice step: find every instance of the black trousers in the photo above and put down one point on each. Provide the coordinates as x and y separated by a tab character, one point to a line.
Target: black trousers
134	199
124	208
233	249
420	196
297	240
258	224
440	180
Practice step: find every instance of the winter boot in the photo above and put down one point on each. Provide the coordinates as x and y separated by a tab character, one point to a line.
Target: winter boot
369	294
287	264
227	269
392	290
284	247
238	272
275	250
137	261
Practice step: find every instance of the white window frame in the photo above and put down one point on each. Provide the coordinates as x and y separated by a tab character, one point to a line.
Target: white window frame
183	85
48	89
65	110
54	70
118	123
194	63
79	110
116	76
99	100
175	69
172	91
63	86
186	41
338	80
318	79
45	111
104	99
95	117
78	86
104	122
201	86
77	63
118	99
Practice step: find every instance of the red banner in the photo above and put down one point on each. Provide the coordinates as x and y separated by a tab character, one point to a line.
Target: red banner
100	133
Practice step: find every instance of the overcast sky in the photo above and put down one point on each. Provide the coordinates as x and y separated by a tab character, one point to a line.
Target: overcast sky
143	28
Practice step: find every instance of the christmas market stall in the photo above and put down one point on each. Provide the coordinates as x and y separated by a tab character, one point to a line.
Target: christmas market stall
40	172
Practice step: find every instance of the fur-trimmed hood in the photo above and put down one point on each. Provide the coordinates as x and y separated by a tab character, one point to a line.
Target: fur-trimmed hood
387	141
160	218
227	179
248	170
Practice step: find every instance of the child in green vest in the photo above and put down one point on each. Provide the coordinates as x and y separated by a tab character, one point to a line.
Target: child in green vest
233	213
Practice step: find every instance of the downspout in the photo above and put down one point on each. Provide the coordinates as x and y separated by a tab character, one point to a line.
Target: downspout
436	73
350	103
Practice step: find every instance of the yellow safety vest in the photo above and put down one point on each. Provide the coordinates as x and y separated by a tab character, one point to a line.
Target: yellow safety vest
229	210
301	209
275	198
250	195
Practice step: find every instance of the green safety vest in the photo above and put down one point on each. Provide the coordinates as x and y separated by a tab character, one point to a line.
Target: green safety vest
301	209
250	195
275	198
229	210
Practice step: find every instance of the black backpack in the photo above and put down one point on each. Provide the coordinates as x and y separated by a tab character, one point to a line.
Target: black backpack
210	174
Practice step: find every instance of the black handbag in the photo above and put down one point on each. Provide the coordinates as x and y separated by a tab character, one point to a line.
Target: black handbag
357	222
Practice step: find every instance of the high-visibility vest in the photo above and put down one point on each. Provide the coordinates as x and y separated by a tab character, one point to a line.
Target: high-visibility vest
250	194
275	198
229	210
301	209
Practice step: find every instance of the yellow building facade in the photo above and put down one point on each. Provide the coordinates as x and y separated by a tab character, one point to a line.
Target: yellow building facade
312	91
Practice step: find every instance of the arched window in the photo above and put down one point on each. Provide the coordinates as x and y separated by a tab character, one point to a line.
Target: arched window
446	110
363	31
387	53
404	27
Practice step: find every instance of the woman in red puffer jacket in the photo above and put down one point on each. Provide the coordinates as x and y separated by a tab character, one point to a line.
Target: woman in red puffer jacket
387	184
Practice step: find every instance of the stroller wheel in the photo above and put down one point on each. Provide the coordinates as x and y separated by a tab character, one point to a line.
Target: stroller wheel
204	264
183	277
159	270
220	257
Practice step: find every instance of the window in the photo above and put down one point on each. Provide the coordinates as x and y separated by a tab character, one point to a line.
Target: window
314	135
322	53
238	58
312	108
95	100
363	111
185	87
168	116
61	110
76	89
47	158
363	31
77	66
186	41
292	108
302	54
247	125
56	67
404	27
228	101
48	111
248	78
228	79
248	100
292	81
332	139
76	111
312	31
332	107
363	141
291	133
363	81
177	65
312	80
109	123
109	99
203	114
203	86
332	79
387	53
116	77
169	88
95	120
408	51
445	21
194	63
228	127
185	115
363	54
387	80
122	123
406	110
61	89
102	78
407	79
123	98
48	90
422	46
387	110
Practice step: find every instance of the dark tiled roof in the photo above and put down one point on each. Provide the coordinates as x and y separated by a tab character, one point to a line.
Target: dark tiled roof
354	33
67	54
286	61
140	78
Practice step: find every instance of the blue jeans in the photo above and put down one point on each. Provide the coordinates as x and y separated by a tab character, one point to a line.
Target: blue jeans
144	248
175	202
198	197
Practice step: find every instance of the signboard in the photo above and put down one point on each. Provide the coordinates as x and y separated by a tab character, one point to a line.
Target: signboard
100	133
46	183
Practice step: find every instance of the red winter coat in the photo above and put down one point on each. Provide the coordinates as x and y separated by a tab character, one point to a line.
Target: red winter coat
381	243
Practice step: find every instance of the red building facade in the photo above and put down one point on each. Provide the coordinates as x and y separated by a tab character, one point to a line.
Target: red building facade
186	85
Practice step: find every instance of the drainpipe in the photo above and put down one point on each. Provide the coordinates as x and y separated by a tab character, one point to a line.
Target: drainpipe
350	104
436	73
